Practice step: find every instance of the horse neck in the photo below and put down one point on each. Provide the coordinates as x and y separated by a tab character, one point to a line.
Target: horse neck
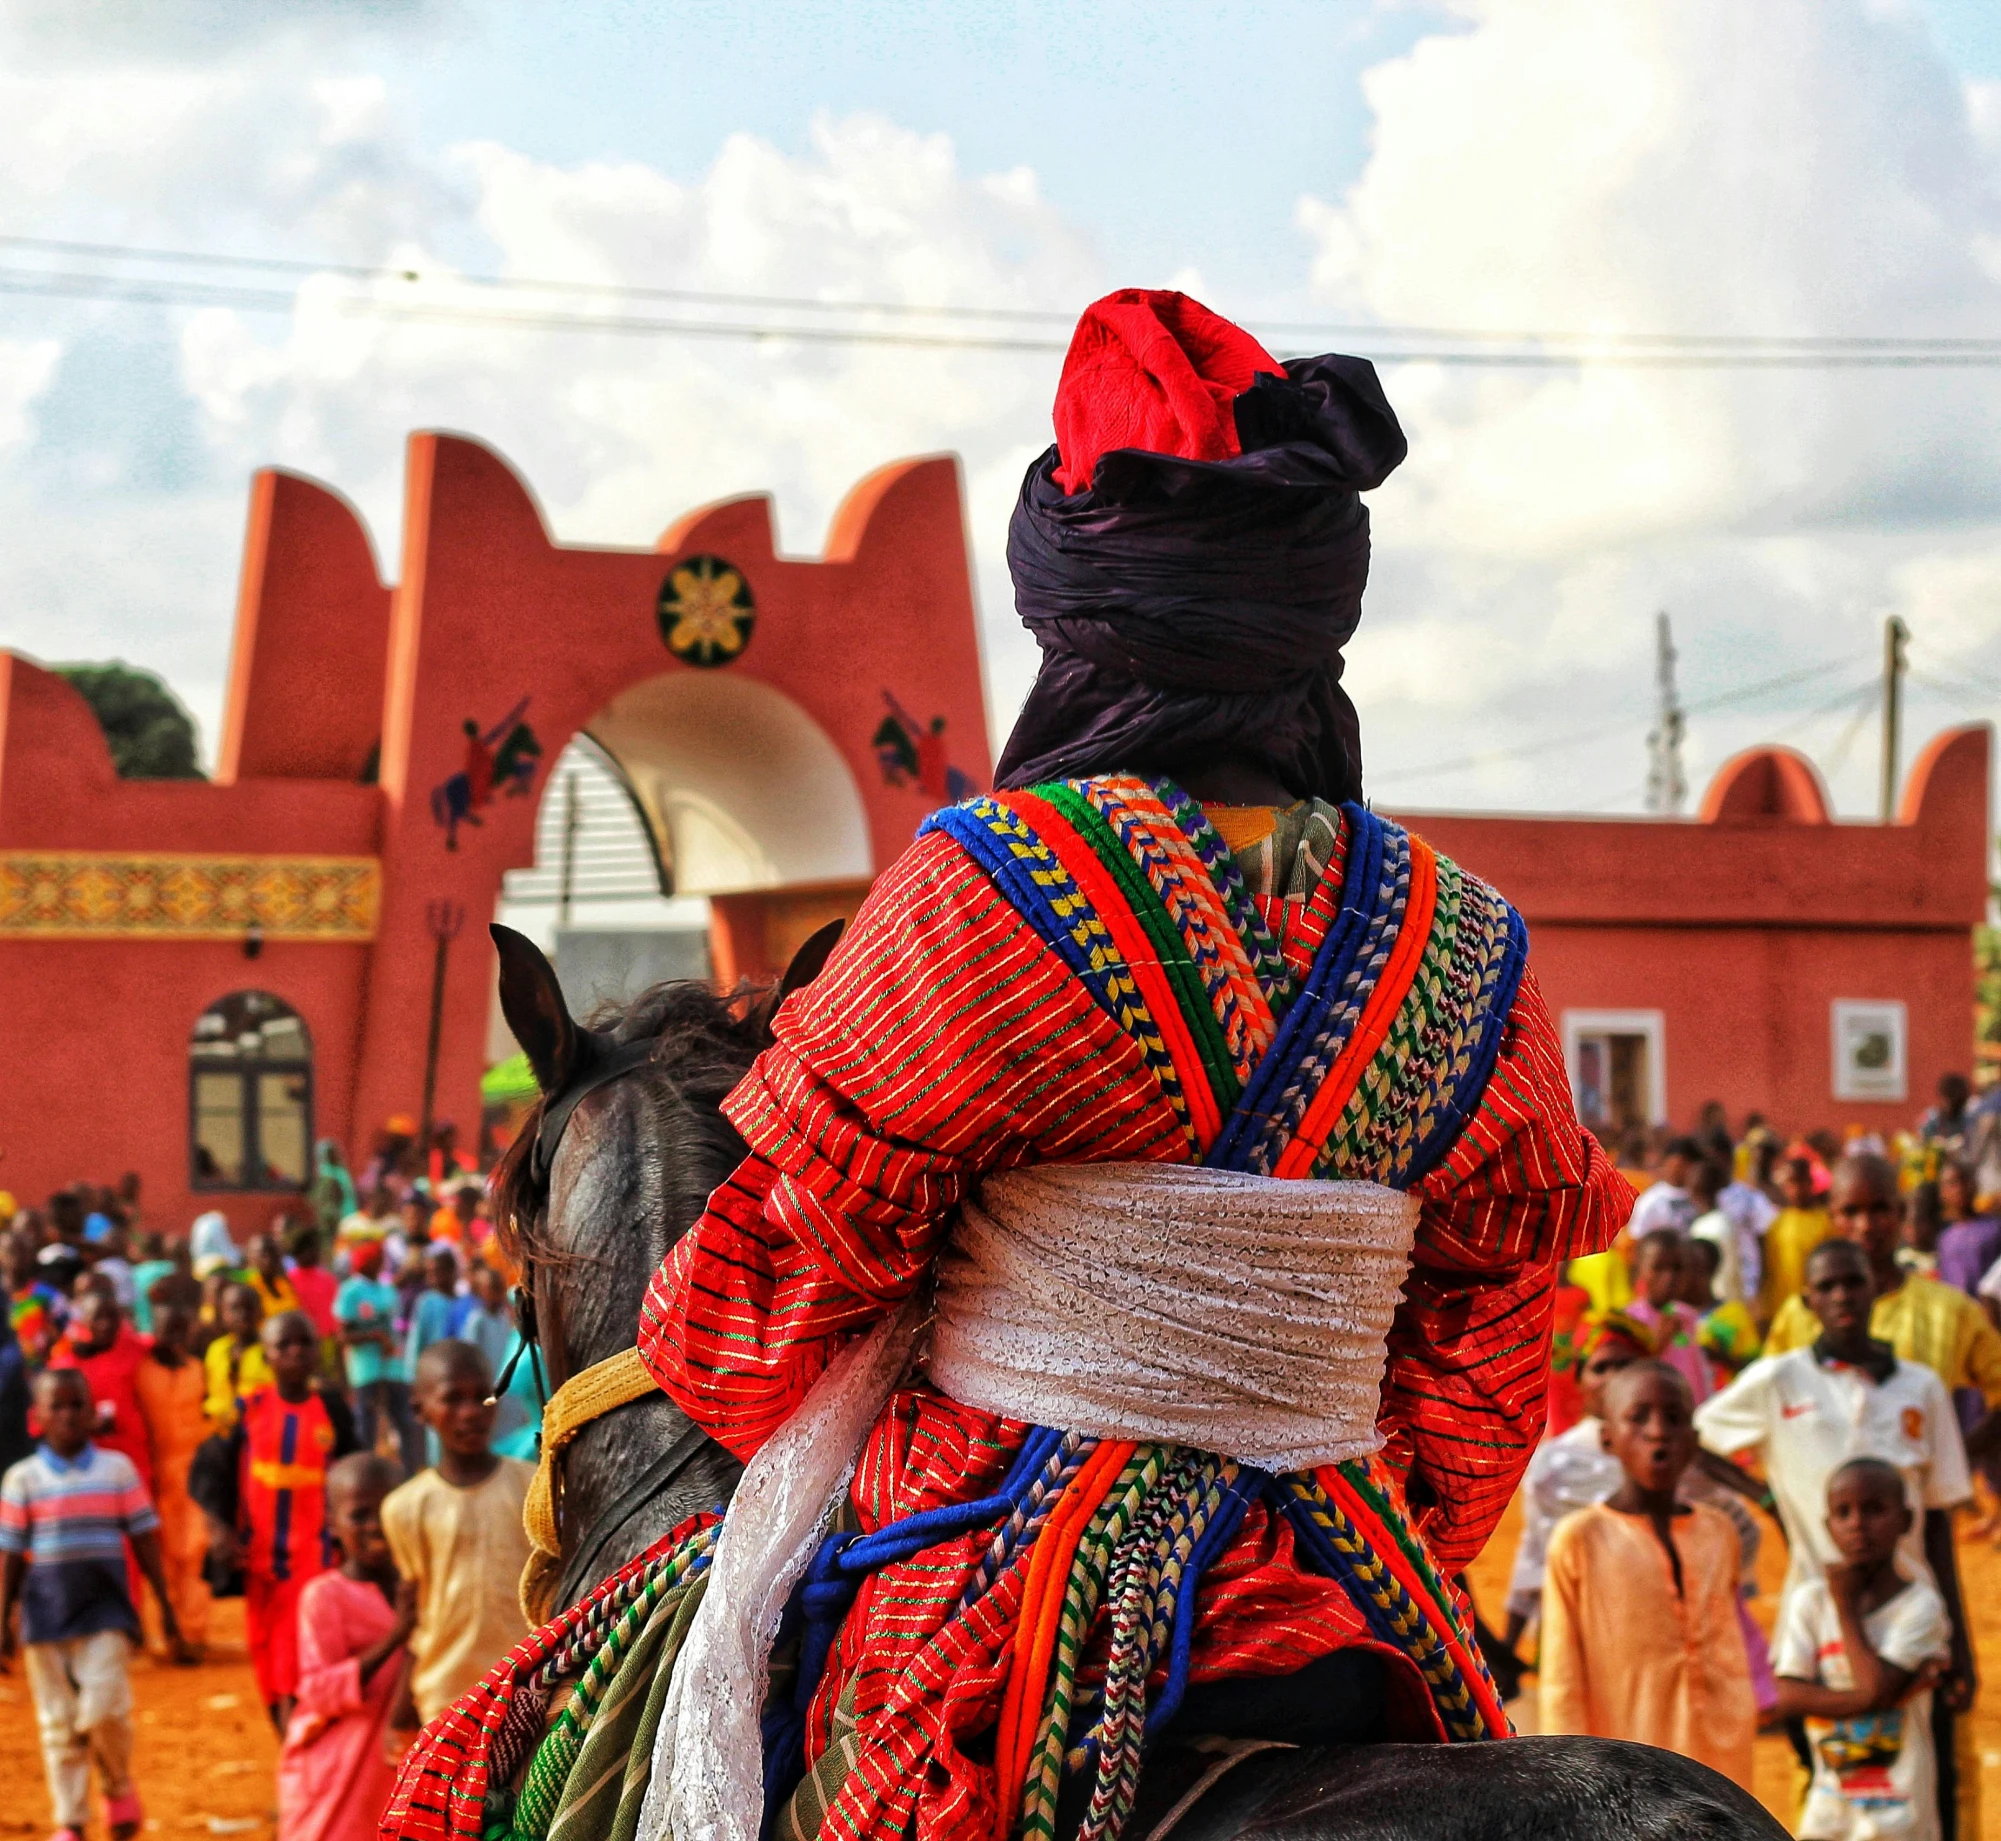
636	1166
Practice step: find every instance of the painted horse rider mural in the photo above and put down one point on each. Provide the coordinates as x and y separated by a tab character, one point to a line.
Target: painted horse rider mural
1136	1298
500	759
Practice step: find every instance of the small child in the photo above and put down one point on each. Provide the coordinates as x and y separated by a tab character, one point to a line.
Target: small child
1571	1470
1857	1653
1726	1332
314	1285
35	1306
234	1363
438	1309
66	1514
334	1773
366	1308
1641	1637
110	1354
263	1489
1659	1263
1803	1223
456	1532
268	1276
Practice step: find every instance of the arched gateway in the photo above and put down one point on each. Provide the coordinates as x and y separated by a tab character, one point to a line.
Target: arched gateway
783	725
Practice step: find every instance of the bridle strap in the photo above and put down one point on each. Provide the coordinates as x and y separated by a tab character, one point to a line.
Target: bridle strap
601	1388
604	1386
611	1064
658	1476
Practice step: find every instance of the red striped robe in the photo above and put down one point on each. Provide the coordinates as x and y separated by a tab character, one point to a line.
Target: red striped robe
945	1040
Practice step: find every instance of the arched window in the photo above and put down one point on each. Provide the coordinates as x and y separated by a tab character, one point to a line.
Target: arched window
250	1095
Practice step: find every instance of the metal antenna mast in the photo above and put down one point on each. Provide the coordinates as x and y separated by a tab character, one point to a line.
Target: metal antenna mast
1667	786
1896	636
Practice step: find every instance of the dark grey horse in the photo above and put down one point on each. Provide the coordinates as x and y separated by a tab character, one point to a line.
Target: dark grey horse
630	1173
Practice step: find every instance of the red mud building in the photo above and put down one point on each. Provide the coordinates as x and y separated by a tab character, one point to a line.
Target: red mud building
196	980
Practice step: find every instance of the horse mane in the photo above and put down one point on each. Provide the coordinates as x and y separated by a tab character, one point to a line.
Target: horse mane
704	1042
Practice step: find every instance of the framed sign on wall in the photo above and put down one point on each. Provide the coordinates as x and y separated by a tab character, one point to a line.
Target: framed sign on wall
1869	1037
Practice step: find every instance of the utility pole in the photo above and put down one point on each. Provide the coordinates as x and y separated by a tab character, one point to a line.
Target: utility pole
1667	785
444	918
572	818
1896	636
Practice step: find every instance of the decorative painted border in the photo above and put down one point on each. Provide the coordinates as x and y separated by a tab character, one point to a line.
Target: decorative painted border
141	895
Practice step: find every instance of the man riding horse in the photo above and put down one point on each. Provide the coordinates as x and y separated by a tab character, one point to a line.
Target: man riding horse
1134	1307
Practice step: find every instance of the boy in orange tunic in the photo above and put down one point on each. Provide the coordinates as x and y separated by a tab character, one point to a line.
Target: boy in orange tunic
1640	1637
171	1386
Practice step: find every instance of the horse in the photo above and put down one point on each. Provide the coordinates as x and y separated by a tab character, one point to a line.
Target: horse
595	1192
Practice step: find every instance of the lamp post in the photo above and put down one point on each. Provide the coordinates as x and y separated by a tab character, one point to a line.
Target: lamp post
444	918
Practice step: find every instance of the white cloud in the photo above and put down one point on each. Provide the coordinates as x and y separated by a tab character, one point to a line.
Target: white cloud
26	365
1658	165
618	435
1800	166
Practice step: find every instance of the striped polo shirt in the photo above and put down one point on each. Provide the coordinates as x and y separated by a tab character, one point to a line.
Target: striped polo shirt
71	1517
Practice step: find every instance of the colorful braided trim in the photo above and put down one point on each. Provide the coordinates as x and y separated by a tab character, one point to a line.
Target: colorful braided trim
482	1740
1341	1534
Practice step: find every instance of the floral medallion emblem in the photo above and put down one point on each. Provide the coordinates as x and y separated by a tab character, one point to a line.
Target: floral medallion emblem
706	612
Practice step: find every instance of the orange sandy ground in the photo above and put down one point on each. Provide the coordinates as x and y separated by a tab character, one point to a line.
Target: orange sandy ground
206	1753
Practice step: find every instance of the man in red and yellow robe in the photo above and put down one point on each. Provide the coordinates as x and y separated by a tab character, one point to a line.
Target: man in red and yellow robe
1190	556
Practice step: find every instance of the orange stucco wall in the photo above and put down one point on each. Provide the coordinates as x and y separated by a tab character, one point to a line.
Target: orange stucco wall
1744	927
330	666
1740	928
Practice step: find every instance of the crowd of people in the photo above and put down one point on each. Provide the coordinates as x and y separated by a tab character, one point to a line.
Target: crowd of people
307	1421
1809	1327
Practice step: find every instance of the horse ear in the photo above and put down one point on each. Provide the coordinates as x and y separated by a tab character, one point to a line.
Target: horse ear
532	1002
807	964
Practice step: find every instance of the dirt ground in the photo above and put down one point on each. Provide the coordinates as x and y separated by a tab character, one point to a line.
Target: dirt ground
207	1755
206	1758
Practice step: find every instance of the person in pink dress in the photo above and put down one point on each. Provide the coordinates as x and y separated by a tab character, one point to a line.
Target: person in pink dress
334	1768
1659	1265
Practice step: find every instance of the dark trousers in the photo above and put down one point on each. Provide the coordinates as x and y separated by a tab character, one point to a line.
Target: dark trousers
1944	1722
389	1401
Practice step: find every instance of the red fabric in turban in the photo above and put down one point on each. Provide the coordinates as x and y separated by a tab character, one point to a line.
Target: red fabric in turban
1153	370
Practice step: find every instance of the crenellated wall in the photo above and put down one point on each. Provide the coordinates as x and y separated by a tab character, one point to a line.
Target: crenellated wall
1743	928
126	907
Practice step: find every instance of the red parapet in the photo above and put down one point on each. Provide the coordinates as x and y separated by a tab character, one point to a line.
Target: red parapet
312	621
1766	786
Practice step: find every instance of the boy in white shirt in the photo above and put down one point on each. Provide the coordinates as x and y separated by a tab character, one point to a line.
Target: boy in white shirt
1807	1412
1857	1654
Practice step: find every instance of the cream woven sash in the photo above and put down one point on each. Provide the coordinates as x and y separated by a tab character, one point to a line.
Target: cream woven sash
1242	1314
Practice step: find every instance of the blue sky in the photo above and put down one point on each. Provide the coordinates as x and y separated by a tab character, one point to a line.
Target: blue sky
1819	166
1178	134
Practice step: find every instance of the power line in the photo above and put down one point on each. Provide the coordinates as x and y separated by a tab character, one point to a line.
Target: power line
612	290
202	294
1633	350
1578	738
1973	675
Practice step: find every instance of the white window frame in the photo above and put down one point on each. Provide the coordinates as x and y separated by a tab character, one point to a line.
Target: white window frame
1652	1024
1892	1087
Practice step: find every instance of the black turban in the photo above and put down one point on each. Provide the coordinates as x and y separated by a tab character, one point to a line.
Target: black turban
1192	610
